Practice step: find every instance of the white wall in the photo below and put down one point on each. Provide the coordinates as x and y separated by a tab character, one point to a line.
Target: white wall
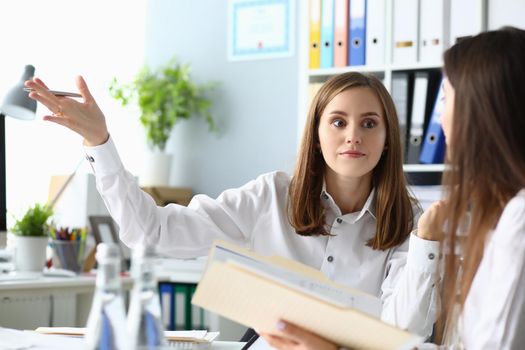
63	38
255	104
506	13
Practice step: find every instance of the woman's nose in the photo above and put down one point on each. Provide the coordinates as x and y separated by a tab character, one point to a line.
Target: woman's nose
353	136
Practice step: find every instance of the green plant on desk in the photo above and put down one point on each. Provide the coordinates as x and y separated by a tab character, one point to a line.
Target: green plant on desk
30	238
164	97
34	222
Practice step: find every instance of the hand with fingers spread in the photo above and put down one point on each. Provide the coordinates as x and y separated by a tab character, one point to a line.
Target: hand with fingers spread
293	337
430	224
84	118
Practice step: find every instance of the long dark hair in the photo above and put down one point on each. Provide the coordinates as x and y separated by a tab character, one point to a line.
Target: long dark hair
486	147
393	205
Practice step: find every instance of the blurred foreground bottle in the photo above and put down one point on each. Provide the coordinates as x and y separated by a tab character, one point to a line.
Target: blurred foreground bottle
144	317
107	319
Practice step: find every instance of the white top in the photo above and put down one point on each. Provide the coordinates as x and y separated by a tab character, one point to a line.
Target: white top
254	216
494	311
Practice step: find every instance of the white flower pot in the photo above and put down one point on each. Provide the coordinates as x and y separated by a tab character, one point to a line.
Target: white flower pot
156	170
29	252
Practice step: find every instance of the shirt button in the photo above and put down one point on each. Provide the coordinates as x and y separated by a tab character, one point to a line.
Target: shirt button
339	220
325	196
330	258
431	256
90	159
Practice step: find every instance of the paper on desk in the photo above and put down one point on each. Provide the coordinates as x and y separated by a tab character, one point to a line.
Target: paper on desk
246	296
12	339
191	336
196	336
71	331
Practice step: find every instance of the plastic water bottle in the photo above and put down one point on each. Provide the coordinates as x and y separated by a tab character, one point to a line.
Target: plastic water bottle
106	326
144	317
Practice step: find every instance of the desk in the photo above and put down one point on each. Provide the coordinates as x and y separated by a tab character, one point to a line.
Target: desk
66	301
52	342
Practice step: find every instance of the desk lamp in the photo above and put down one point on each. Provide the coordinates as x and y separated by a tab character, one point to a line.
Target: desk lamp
16	104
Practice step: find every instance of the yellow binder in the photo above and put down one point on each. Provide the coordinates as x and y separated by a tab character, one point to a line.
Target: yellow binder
315	34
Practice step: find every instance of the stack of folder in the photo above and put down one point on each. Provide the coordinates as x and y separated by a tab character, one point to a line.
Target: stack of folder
338	33
419	103
354	33
257	291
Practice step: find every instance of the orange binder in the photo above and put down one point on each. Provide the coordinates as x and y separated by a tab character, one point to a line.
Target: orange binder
341	33
315	34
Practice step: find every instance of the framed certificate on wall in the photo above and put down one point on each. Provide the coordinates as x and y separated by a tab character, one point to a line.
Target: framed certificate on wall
260	29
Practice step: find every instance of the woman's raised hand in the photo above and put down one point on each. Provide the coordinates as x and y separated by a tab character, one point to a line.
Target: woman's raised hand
84	118
430	224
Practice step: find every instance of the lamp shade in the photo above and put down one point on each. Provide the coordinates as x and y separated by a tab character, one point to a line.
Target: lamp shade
17	103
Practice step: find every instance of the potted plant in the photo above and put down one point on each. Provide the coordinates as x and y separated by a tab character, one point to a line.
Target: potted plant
29	234
165	96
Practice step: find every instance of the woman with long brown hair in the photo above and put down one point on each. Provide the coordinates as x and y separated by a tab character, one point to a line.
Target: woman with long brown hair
346	210
484	211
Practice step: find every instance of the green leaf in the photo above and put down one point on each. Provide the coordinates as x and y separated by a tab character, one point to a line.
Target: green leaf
164	97
34	221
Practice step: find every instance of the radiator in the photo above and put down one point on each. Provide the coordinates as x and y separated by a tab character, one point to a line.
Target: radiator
32	310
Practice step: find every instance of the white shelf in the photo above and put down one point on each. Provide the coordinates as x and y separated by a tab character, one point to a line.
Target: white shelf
422	168
321	72
415	66
339	70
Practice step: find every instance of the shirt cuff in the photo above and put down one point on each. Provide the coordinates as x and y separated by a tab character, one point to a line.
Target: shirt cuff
104	158
423	254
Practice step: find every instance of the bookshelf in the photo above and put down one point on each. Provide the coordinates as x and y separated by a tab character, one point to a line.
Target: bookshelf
384	71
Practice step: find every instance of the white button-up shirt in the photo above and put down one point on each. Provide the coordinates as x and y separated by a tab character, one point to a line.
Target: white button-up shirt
494	312
493	316
255	216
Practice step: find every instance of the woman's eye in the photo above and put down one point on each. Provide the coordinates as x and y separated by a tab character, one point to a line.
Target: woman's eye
338	123
369	123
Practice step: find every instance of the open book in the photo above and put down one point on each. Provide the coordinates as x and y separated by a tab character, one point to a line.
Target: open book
257	291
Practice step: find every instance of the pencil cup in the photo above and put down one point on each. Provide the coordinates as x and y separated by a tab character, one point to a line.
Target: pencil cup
70	254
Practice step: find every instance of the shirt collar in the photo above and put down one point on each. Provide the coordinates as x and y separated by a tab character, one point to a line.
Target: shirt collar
368	207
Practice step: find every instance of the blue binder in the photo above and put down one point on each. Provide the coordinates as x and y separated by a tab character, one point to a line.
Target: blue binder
327	33
167	295
357	33
433	150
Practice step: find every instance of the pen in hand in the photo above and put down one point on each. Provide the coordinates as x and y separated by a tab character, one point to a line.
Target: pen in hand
58	93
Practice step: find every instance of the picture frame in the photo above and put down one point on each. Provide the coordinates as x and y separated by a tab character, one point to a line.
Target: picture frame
105	231
260	29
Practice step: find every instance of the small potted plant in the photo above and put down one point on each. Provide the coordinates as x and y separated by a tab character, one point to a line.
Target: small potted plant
165	96
30	236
